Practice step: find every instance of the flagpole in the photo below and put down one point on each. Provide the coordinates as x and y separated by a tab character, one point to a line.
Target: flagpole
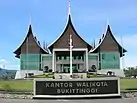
70	42
122	53
27	58
27	48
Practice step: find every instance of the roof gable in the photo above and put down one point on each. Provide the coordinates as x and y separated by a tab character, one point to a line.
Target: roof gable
63	40
109	43
30	42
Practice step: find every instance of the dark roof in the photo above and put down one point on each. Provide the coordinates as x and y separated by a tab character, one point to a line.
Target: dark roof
18	50
108	32
71	25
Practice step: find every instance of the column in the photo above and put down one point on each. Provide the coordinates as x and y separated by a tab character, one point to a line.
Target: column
53	60
41	62
86	60
62	68
84	64
55	65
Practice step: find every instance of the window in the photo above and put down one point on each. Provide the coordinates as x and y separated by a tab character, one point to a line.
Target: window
103	56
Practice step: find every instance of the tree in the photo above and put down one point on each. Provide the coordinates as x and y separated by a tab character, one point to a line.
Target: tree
131	71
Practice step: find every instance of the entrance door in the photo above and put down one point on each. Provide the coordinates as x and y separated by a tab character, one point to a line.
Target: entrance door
66	68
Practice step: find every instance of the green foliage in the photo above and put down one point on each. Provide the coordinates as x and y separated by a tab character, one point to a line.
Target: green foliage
7	77
131	71
92	75
8	74
43	76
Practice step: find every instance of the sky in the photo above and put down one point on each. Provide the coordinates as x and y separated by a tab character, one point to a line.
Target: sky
49	17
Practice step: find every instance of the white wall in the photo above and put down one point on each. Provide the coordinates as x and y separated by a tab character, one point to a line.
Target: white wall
22	73
118	72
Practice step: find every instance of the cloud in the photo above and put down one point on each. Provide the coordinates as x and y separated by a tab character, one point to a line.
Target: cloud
3	62
8	65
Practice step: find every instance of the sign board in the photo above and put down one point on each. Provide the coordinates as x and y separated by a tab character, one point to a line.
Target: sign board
77	87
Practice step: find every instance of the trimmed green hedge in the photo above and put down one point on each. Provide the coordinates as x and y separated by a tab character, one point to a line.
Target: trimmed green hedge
43	76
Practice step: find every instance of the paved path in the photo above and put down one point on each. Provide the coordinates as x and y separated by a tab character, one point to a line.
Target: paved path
128	100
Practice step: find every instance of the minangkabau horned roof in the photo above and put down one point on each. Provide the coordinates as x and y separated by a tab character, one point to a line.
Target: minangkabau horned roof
30	33
70	27
107	36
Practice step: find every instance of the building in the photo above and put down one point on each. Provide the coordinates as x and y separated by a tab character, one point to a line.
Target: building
104	58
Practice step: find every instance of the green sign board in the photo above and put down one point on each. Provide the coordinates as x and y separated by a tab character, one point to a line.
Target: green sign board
74	87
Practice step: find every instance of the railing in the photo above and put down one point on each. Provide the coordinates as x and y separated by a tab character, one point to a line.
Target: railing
67	61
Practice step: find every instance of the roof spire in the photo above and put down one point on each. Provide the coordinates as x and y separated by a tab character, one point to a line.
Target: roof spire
30	24
30	18
107	26
107	21
68	7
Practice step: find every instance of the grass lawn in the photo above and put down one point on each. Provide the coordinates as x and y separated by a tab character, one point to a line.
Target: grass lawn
128	84
17	85
27	85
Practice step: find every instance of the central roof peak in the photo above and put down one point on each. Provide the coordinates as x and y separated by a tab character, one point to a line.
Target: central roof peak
68	7
69	13
62	40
